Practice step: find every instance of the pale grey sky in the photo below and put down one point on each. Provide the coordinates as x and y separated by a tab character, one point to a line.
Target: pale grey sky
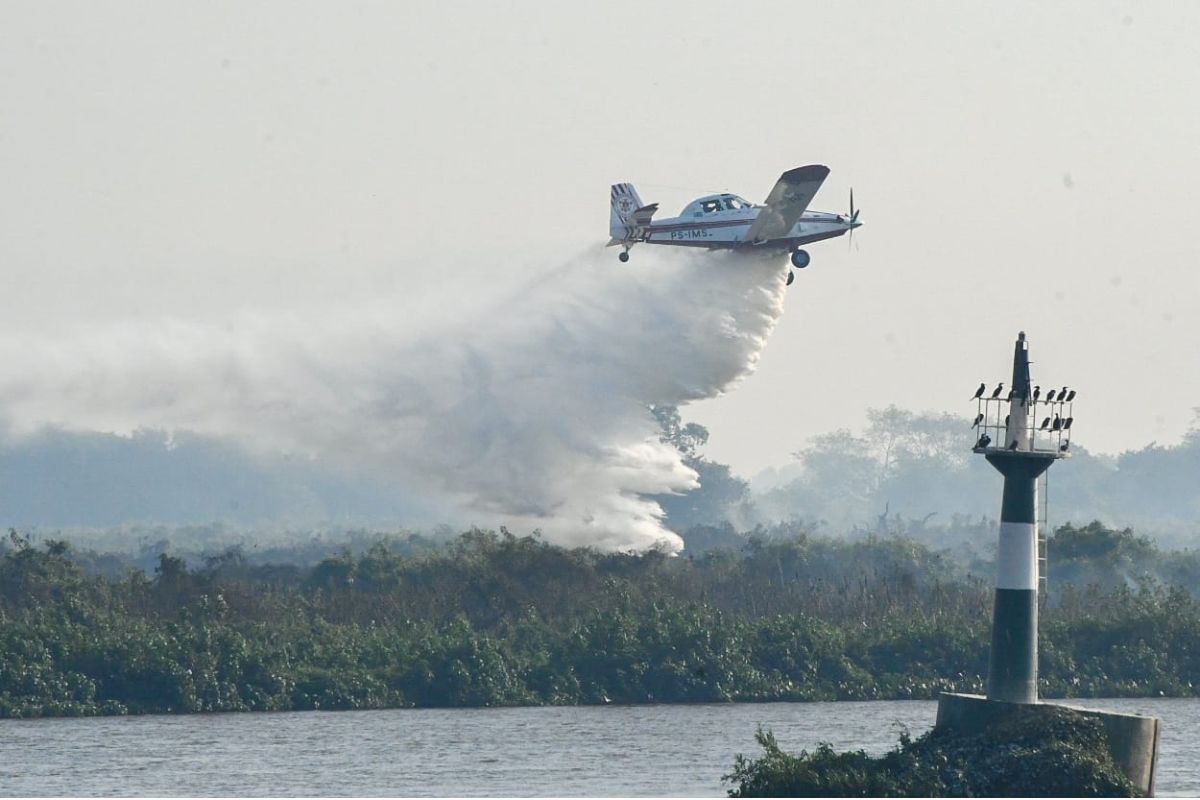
1019	165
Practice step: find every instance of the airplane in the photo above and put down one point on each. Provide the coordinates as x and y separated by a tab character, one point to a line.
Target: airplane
727	222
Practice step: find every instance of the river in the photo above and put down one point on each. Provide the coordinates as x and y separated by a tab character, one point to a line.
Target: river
573	751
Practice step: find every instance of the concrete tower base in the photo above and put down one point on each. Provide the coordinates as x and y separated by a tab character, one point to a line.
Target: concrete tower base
1132	740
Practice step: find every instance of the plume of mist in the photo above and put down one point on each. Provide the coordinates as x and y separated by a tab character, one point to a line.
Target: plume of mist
530	411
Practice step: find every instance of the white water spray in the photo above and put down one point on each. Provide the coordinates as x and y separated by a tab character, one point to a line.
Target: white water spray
530	412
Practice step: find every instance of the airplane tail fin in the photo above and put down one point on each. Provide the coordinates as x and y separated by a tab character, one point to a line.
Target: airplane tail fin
628	213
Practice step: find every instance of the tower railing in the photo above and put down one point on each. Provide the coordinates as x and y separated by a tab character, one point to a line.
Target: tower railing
1048	423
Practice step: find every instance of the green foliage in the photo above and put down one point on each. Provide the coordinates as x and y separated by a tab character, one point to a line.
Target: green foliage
1111	558
1056	754
498	619
720	493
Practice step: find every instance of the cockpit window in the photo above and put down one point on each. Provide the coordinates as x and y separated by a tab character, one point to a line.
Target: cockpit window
709	206
734	204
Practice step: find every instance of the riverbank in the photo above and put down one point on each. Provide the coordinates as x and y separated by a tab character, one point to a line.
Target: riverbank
507	621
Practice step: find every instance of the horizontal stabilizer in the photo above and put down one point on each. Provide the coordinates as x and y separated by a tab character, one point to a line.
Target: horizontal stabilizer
644	214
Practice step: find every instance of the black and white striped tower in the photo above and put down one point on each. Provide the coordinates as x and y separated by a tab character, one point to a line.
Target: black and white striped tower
1021	451
1012	667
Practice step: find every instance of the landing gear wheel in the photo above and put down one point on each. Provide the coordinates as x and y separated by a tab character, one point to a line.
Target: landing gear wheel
800	259
624	257
791	277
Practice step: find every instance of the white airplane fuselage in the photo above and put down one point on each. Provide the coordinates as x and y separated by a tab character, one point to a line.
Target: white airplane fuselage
727	229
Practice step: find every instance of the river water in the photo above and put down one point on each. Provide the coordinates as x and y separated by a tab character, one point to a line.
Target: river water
572	751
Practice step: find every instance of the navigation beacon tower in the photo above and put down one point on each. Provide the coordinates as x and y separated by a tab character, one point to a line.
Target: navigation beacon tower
1021	450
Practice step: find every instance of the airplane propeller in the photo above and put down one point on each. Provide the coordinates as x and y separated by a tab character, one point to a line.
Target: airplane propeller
853	219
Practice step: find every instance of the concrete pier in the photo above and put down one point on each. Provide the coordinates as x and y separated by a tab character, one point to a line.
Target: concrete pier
1132	739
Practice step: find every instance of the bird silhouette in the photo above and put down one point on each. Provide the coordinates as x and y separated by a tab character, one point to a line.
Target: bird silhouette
1062	394
1062	448
999	389
1037	390
1011	392
1067	424
978	419
1045	424
984	441
1070	395
1013	446
1050	396
1057	426
1007	417
979	391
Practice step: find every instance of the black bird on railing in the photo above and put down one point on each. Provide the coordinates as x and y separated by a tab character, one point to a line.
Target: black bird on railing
1045	424
1067	424
1071	395
1007	417
1011	392
1062	448
978	419
979	391
984	441
1062	395
1037	390
999	389
1050	396
1057	426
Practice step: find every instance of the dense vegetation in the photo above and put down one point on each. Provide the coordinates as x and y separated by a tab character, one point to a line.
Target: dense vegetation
1056	754
496	619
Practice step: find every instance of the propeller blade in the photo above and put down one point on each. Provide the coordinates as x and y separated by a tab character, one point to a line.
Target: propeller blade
853	219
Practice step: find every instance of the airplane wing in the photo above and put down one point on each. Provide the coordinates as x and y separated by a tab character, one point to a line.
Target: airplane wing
787	202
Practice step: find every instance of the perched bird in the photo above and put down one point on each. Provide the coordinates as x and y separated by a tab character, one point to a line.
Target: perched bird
1062	394
1045	424
984	441
1007	417
1071	395
1062	448
999	389
1011	392
978	419
979	391
1067	424
1057	426
1013	446
1050	396
1037	391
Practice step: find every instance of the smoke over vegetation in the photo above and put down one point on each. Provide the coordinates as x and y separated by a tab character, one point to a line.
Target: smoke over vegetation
532	411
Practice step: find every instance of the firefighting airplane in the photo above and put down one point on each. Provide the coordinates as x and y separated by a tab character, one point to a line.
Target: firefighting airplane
725	221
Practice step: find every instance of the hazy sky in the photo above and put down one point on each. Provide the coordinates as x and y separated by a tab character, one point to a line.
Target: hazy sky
1019	165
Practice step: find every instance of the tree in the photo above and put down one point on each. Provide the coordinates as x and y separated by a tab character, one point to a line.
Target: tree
720	494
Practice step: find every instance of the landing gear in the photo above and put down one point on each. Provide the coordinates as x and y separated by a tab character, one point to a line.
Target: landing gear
791	277
800	259
623	257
